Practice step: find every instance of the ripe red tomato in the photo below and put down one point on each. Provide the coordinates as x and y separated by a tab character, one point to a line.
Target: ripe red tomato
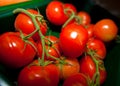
73	39
24	23
57	9
89	28
98	47
14	52
85	17
35	75
55	13
77	79
70	67
106	30
70	6
88	67
52	47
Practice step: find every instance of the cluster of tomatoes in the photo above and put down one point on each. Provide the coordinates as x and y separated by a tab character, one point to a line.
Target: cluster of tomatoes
75	58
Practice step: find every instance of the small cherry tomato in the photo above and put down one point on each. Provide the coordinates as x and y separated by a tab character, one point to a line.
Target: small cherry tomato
69	67
14	51
105	30
39	76
77	79
89	28
98	47
73	39
55	13
85	18
71	7
61	12
52	48
88	67
24	23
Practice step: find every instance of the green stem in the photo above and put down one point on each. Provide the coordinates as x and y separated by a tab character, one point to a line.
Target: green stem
78	19
96	77
71	17
35	19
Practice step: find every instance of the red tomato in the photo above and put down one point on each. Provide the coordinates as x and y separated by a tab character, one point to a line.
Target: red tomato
55	13
87	67
73	39
35	75
97	46
57	9
106	30
85	17
77	79
24	23
14	52
70	67
89	28
103	75
52	47
71	7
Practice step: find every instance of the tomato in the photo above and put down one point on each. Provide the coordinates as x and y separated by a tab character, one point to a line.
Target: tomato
14	52
10	2
88	67
57	9
52	47
98	47
73	39
103	75
85	17
69	67
24	23
77	79
35	75
70	6
106	30
89	28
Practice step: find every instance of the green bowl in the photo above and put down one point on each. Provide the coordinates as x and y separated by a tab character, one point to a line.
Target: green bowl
112	61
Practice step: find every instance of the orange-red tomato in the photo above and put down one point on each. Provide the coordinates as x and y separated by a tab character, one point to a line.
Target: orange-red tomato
70	67
106	30
85	17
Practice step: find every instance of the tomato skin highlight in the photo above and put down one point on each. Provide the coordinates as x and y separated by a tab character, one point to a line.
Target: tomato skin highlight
77	79
105	30
24	23
73	39
39	76
14	52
